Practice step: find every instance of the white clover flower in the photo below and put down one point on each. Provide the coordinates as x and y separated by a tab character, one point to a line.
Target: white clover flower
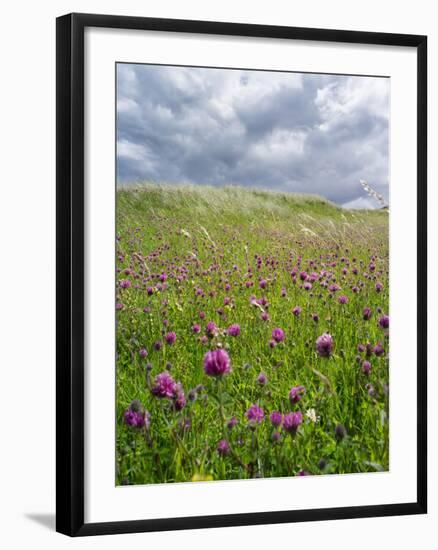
311	415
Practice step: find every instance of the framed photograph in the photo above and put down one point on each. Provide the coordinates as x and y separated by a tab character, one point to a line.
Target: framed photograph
241	274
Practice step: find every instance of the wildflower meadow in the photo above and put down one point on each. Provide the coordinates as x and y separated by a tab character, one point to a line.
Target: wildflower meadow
252	332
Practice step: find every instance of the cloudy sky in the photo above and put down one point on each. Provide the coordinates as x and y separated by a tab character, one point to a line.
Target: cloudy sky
297	132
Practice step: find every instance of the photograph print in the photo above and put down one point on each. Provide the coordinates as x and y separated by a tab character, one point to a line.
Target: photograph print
252	274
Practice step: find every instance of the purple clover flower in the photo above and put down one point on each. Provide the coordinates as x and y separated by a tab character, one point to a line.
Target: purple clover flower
255	414
234	330
133	419
324	345
292	421
158	345
366	367
296	311
170	338
296	394
136	416
384	321
378	349
223	447
367	314
217	362
278	335
276	418
180	399
165	386
232	422
192	395
211	329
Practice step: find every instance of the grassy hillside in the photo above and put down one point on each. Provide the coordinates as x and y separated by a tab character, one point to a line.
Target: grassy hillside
192	262
235	202
307	218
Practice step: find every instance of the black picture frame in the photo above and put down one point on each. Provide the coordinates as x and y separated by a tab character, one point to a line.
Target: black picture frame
70	272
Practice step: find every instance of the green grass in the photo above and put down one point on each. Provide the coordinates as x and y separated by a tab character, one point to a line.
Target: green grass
208	237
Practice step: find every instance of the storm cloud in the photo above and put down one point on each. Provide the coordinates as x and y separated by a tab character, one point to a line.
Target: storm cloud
295	132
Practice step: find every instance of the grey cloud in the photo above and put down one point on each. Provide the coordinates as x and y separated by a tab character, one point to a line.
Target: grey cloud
305	133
